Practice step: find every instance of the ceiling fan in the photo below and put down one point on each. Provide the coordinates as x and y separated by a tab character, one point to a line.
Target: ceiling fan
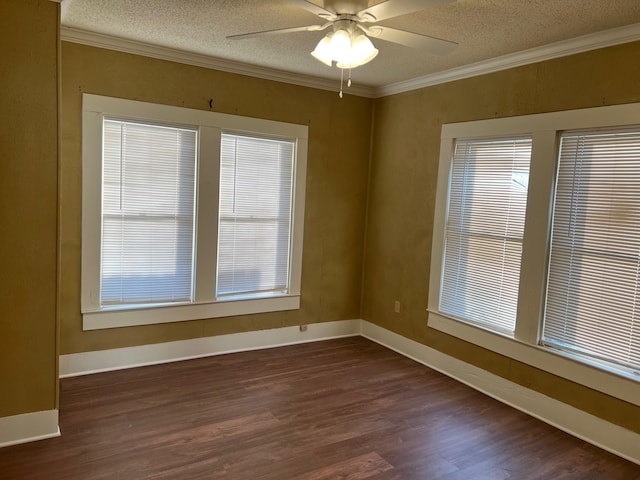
348	44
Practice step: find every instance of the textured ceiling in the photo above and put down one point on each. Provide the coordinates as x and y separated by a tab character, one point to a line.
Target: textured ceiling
484	29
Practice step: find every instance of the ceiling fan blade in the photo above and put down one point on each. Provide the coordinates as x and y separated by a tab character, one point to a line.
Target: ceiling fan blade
313	8
395	8
308	28
414	40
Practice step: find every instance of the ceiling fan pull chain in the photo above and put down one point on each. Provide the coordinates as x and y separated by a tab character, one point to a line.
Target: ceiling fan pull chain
349	81
341	80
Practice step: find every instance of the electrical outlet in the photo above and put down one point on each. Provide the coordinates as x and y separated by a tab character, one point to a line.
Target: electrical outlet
396	306
303	328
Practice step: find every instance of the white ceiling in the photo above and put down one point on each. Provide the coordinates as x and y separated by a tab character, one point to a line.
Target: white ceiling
484	30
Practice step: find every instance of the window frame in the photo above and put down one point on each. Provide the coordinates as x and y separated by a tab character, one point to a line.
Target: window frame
232	217
127	211
482	323
210	125
524	345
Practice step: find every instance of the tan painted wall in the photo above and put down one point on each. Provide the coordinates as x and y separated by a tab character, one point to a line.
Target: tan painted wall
28	205
403	184
338	158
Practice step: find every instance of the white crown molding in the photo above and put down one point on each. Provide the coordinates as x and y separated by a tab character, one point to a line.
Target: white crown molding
607	38
594	41
93	39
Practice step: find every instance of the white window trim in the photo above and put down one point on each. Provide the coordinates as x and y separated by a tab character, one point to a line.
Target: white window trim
205	305
523	346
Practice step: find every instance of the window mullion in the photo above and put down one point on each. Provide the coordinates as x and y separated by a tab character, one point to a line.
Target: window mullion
206	243
536	234
297	215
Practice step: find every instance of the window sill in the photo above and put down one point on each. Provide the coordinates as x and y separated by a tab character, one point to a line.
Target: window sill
615	383
152	314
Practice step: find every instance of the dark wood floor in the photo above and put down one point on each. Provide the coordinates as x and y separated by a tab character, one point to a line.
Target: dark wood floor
340	409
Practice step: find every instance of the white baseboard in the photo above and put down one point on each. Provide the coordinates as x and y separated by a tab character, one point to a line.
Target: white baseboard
608	436
119	358
28	427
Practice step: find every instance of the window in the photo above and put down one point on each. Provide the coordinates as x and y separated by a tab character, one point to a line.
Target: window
188	214
484	229
255	215
594	268
536	253
147	213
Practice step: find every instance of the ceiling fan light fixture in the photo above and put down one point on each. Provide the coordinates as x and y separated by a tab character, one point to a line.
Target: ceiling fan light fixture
362	51
340	45
323	51
347	49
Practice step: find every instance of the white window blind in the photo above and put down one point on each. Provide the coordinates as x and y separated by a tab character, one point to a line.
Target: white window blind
147	213
594	268
484	231
254	233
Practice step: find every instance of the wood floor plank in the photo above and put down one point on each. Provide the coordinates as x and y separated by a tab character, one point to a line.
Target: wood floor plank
357	468
339	409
